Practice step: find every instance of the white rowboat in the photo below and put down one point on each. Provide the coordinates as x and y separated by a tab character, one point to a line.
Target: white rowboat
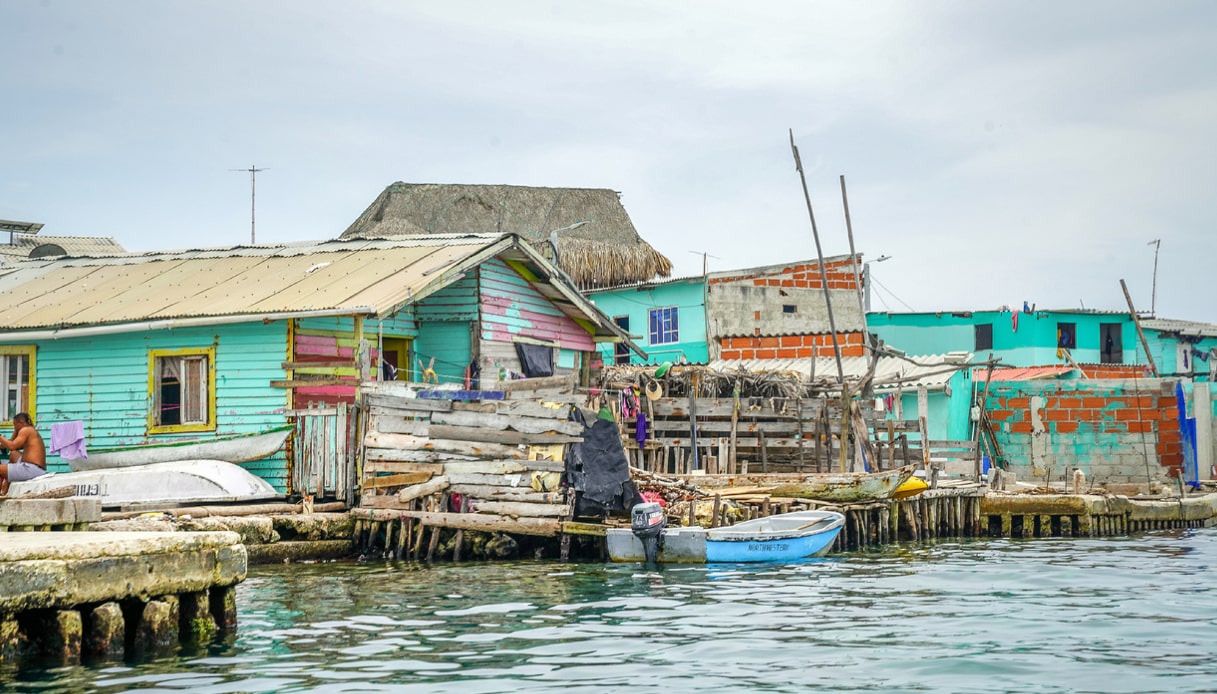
157	485
237	448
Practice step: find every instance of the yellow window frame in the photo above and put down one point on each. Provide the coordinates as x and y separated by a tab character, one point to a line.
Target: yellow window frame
154	399
30	352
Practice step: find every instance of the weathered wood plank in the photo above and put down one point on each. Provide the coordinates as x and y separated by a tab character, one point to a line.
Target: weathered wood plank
313	382
396	480
433	486
501	422
564	382
516	509
408	456
401	403
532	408
486	467
480	449
393	424
578	528
396	467
521	494
468	521
475	434
519	480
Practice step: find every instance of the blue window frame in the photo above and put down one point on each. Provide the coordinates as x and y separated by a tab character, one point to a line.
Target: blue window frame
665	327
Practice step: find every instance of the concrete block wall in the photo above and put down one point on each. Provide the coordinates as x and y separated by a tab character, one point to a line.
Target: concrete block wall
1117	431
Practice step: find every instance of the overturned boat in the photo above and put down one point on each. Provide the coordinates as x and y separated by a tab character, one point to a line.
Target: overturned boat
157	485
235	448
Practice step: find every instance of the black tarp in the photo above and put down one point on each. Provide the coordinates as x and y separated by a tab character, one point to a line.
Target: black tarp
535	360
598	470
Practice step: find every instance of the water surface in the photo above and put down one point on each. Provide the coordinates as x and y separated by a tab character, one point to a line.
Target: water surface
1134	614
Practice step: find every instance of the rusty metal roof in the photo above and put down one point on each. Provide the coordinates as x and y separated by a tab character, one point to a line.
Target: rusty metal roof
359	276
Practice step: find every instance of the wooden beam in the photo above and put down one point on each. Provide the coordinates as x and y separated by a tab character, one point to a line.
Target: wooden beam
396	480
314	382
514	438
468	521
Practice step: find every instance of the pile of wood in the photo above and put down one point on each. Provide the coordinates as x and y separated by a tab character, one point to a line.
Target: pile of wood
488	461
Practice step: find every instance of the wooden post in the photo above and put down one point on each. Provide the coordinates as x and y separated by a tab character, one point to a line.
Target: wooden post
832	323
923	410
1136	321
845	396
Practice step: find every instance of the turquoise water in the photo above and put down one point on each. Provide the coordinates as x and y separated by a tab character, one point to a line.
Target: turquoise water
1132	614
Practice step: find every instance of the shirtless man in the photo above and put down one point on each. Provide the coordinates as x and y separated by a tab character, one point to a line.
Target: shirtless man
27	456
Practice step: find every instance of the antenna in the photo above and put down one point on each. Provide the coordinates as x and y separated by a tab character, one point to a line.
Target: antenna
253	172
1153	297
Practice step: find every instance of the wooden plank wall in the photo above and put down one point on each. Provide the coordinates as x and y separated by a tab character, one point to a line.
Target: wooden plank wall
770	435
491	465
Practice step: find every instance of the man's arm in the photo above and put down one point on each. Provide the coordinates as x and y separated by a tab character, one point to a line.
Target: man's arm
18	442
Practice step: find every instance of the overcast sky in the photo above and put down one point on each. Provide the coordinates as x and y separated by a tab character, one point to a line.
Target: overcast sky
999	152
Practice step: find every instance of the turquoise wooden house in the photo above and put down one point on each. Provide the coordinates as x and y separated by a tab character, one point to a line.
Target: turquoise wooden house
669	317
202	343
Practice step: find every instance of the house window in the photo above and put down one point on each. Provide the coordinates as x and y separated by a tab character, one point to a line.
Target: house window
621	351
1111	343
182	384
664	326
1066	335
789	308
984	336
16	381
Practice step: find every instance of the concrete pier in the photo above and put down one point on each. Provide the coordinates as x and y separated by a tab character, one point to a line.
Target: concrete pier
65	596
73	513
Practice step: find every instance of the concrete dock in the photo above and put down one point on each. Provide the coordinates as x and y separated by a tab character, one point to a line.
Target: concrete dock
65	596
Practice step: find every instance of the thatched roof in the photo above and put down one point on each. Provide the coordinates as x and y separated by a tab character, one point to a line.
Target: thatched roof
602	248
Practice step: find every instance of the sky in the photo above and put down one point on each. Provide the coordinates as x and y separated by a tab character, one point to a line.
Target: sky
997	152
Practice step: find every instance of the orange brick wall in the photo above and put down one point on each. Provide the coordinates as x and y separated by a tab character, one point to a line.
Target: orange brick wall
791	346
805	276
1107	427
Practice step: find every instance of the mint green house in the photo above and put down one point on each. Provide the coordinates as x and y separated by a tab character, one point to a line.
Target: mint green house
160	347
1102	341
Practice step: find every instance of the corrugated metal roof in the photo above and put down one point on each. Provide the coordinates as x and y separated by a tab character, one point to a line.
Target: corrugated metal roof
1183	327
22	244
932	371
380	274
1028	373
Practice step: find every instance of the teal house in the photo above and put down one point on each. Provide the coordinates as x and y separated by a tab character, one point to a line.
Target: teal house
201	343
668	316
1105	342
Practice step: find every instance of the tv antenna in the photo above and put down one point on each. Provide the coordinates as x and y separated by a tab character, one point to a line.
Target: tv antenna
1153	297
253	173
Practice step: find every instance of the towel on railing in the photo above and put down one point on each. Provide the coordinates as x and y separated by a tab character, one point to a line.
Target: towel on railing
68	440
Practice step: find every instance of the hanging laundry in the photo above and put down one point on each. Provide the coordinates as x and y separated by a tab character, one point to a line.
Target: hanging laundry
641	434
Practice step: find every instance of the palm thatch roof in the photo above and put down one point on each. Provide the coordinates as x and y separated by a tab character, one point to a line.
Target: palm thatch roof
597	243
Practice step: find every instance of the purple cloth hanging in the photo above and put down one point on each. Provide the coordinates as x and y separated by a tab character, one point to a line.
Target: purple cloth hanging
641	434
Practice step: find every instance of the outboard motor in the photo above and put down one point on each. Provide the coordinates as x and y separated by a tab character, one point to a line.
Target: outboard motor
647	521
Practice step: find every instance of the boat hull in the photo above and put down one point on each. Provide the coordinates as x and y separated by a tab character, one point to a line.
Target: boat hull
838	487
161	485
785	537
240	448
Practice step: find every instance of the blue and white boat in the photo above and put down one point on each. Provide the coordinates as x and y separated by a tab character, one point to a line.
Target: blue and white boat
784	537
